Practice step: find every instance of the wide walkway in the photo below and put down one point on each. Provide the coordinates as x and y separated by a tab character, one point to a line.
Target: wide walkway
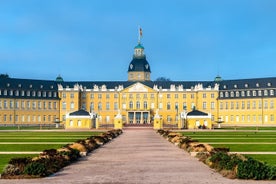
138	156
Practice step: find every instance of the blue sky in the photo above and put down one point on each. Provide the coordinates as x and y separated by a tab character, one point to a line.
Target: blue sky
93	40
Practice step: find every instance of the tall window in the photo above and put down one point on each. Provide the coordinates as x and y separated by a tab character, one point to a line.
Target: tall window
99	106
168	106
212	105
116	106
72	105
137	105
107	106
204	105
91	106
64	105
145	105
131	105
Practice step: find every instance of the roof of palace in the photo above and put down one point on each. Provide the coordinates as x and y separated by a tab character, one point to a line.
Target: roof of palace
80	113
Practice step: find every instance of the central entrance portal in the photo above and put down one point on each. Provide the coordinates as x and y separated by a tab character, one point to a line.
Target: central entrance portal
138	117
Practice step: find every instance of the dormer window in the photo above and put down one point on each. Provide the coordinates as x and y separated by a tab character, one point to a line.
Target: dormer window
246	85
19	85
269	84
8	84
41	86
224	87
257	85
31	86
235	86
11	92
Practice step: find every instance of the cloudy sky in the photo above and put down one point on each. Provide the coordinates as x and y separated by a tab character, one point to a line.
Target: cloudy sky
93	40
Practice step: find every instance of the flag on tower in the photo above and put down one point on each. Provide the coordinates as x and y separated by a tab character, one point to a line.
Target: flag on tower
140	32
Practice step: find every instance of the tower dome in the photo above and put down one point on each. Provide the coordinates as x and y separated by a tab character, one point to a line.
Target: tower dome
139	68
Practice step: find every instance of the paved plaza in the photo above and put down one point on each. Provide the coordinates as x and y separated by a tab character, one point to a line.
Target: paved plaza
137	156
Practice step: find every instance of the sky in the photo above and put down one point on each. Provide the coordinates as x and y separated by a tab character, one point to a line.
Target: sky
94	40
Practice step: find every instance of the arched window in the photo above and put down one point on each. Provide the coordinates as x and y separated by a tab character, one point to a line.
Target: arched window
131	105
137	105
145	105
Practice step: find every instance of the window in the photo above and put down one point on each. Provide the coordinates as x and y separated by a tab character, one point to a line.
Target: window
91	106
204	105
184	106
64	105
72	105
71	95
271	92
192	96
212	95
28	105
11	92
11	104
232	94
248	105
137	105
254	105
160	105
83	105
184	95
152	96
176	107
168	106
34	105
237	105
232	105
242	93
55	105
247	93
107	96
99	106
169	119
204	95
145	105
221	94
226	94
271	104
265	92
168	95
221	105
212	105
243	105
138	96
272	117
237	94
265	104
33	93
44	93
254	93
226	105
107	106
260	104
116	107
50	105
145	96
259	93
115	95
131	105
92	95
176	96
28	93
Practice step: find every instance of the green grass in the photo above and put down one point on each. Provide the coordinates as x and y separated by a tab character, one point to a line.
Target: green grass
240	141
4	159
28	137
269	159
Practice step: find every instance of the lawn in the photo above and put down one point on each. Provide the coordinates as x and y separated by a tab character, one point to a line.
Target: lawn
22	141
240	141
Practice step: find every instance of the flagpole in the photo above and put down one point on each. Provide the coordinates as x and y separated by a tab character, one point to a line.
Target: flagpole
139	35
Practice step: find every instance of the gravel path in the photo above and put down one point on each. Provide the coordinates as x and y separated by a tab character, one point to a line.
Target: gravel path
138	156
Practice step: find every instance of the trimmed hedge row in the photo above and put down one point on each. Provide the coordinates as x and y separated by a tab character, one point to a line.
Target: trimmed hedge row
229	165
51	161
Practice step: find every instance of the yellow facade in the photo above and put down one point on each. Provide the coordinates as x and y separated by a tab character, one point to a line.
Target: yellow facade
244	102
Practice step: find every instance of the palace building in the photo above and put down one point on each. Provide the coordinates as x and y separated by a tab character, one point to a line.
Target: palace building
139	101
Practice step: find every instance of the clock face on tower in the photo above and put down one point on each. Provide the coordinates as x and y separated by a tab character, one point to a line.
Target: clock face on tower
130	66
147	66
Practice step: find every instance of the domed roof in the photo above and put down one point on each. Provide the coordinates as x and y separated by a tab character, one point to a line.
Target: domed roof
139	65
139	46
59	79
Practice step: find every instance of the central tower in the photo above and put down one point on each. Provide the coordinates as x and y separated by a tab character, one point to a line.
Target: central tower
139	68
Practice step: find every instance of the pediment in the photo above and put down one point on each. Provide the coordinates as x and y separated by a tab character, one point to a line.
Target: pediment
139	88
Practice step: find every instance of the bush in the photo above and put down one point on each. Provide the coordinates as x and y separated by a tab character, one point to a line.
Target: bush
253	169
221	160
20	163
36	169
11	170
